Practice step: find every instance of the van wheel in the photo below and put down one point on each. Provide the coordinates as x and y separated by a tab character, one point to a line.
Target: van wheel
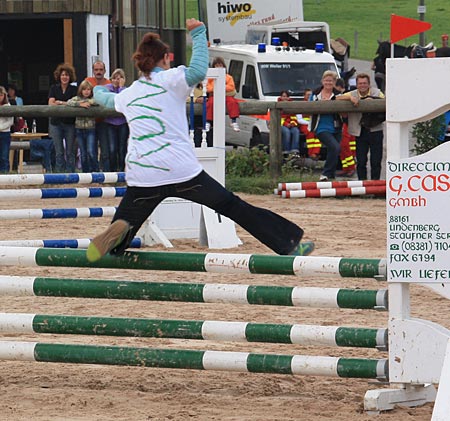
256	139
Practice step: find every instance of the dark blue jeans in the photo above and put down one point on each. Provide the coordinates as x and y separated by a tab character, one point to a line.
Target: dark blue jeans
276	232
369	142
5	144
290	139
88	149
43	150
333	143
65	152
118	139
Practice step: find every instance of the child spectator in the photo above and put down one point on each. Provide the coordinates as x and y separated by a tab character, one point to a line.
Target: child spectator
290	134
348	142
85	128
231	103
117	126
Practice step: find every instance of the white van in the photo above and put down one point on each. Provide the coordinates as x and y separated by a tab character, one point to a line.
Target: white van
261	72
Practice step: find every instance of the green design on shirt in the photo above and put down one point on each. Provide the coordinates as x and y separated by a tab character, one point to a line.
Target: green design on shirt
135	103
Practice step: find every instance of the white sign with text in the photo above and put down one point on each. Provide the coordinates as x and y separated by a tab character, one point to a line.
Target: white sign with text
418	217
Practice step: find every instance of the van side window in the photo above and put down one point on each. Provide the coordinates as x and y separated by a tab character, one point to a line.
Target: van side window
251	88
235	70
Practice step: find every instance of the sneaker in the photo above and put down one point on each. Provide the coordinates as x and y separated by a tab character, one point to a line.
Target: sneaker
103	243
207	127
235	126
323	178
303	249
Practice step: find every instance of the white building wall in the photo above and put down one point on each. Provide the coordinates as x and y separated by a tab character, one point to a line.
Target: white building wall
97	35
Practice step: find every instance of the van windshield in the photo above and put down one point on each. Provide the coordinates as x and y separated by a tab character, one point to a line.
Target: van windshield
291	77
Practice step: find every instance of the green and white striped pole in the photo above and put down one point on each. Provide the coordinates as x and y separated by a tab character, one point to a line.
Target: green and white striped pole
196	360
194	329
200	293
199	262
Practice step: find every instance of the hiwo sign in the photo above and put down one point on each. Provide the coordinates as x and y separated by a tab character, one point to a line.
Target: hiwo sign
228	20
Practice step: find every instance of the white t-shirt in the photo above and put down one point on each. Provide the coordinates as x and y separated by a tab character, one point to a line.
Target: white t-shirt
159	149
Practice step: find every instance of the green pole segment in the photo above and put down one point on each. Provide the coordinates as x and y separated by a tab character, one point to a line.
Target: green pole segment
124	290
158	291
363	298
203	360
115	355
359	268
201	262
360	368
195	329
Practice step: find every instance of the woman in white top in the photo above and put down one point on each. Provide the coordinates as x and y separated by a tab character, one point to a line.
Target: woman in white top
161	161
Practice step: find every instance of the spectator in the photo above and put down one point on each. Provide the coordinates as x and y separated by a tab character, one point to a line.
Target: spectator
290	134
5	133
313	145
369	135
348	142
199	123
231	103
63	128
117	126
307	94
19	122
379	68
12	95
101	128
328	127
85	128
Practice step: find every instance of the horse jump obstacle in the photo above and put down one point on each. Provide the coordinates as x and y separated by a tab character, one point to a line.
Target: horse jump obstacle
89	192
313	185
58	213
331	189
68	178
194	360
74	243
200	262
236	331
195	329
195	293
350	191
149	234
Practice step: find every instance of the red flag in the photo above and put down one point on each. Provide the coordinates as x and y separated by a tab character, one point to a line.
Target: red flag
402	27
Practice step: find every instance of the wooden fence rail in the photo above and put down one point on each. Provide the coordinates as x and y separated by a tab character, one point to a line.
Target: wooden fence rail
246	108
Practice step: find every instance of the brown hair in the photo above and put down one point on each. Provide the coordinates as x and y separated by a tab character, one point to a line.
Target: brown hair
218	60
149	51
363	76
84	85
5	96
65	67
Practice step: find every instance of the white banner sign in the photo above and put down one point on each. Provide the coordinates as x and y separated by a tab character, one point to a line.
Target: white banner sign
418	217
228	20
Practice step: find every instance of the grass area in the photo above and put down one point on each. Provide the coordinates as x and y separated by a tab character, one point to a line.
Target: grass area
370	20
264	184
